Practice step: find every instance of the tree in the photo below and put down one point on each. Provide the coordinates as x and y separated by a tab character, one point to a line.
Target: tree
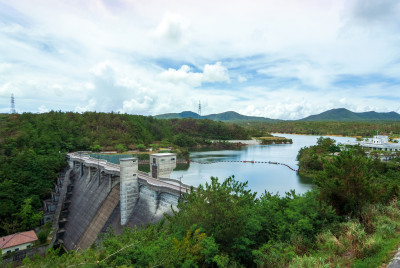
28	217
348	183
224	211
95	148
325	142
121	148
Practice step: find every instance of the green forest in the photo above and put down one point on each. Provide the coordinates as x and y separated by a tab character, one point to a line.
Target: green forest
364	129
33	147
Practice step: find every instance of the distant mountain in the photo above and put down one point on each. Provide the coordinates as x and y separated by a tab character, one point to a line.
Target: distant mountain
340	114
343	114
234	116
185	114
226	116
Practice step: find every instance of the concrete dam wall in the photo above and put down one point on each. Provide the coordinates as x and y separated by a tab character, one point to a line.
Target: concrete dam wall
101	196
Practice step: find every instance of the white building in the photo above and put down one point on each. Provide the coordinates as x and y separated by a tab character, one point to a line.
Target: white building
162	164
378	142
379	139
18	241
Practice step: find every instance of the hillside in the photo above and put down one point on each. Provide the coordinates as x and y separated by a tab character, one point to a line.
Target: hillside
185	114
229	116
339	115
343	114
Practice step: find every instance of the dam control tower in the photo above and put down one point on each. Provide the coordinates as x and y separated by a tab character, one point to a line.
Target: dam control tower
129	187
162	164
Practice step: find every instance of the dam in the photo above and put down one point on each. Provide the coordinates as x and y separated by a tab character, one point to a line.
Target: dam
93	196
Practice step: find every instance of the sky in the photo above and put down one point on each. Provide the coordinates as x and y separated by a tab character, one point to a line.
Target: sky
281	59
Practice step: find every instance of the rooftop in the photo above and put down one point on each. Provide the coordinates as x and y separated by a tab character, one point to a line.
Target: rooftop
370	144
17	239
164	154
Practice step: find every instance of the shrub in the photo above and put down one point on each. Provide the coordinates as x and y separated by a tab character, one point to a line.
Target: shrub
95	148
42	236
120	148
355	237
274	254
330	243
141	147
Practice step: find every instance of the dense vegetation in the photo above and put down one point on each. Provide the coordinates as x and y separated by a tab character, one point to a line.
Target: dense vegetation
365	129
352	217
225	225
351	181
221	224
32	148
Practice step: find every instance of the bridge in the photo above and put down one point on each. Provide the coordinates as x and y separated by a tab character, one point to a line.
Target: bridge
94	195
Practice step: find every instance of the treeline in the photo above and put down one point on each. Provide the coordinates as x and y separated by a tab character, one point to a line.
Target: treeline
364	129
33	147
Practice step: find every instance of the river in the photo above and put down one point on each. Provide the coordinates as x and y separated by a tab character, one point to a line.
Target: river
260	176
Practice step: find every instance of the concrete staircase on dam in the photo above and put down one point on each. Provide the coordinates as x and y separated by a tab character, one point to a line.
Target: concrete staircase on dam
100	219
89	193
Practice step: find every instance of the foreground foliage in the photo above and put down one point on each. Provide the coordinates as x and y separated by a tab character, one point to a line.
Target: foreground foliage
225	225
222	224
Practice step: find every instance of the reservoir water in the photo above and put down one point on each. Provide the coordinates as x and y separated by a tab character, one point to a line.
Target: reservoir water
260	176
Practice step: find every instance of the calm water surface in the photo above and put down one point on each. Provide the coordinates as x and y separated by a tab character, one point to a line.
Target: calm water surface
261	177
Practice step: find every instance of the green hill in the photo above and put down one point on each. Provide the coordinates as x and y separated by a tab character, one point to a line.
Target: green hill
185	114
229	116
340	115
343	114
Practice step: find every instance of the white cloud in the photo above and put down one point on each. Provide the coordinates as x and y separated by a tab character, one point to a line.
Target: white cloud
211	73
141	106
309	74
127	62
4	67
43	109
89	107
172	28
215	73
103	68
182	75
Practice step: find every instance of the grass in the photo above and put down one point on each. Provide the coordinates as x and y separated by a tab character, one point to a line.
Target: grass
383	256
371	243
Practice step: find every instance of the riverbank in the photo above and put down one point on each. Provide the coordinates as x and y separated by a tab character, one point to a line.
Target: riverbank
253	141
275	140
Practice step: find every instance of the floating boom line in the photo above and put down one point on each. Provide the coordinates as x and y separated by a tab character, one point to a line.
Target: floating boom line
246	161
